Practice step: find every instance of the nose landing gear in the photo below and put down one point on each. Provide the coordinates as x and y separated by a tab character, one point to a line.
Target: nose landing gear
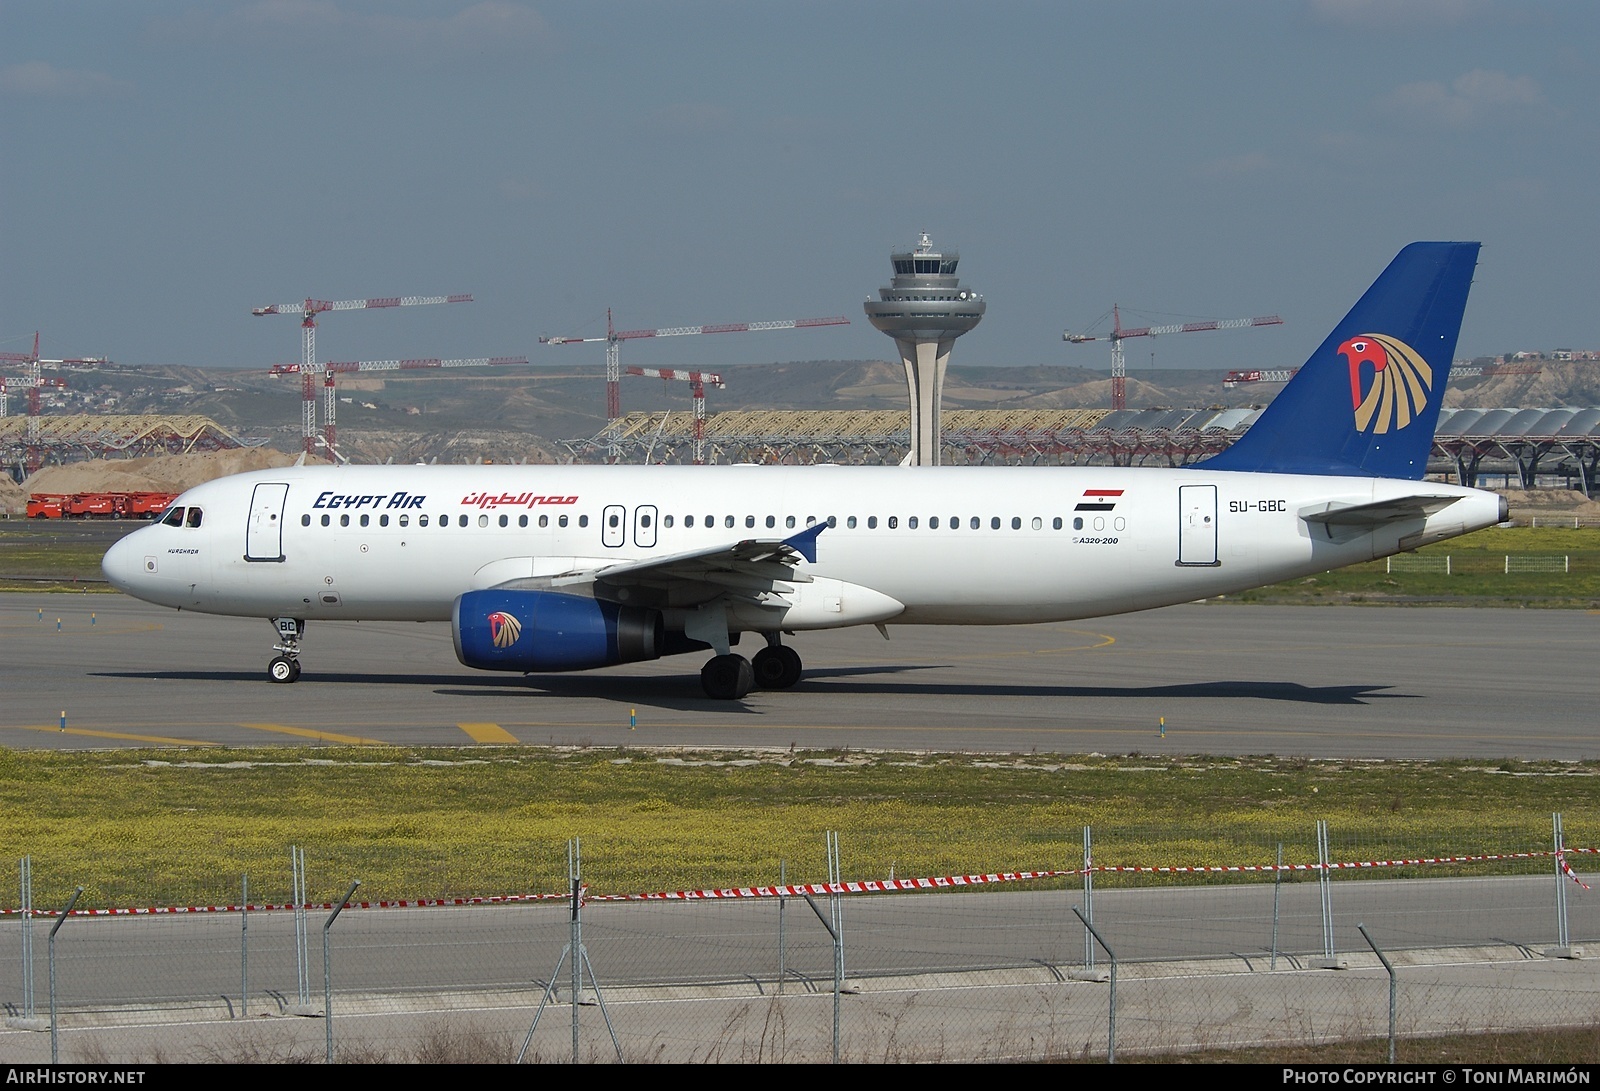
286	667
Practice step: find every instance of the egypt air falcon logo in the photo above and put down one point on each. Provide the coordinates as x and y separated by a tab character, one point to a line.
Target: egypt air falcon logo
1401	381
504	629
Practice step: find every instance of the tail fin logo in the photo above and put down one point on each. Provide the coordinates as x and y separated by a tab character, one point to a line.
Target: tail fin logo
504	629
1400	385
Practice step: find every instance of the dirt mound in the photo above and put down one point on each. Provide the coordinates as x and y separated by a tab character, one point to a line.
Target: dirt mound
13	498
1552	504
163	473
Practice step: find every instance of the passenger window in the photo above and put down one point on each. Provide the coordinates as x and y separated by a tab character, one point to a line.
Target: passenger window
1055	524
1038	523
383	520
727	521
644	520
544	520
749	521
1016	523
522	520
344	520
811	520
911	523
174	518
872	522
851	522
688	520
583	520
933	523
710	521
305	520
561	520
833	520
772	521
894	521
975	523
789	522
485	518
444	521
365	519
612	521
325	520
666	521
1077	522
994	524
405	520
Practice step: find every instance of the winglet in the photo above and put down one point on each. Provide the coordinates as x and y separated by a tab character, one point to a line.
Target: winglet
805	543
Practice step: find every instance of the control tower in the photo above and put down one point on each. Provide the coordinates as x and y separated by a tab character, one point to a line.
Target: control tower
925	309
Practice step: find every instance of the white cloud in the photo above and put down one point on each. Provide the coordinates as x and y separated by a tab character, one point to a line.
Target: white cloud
1477	97
40	79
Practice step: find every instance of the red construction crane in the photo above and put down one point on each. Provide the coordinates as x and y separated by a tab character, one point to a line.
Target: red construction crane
1119	368
35	381
614	337
697	381
308	310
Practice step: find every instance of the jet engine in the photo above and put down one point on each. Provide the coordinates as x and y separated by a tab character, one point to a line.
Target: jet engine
541	631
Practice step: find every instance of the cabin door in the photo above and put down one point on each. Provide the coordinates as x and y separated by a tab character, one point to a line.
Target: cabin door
263	536
1197	525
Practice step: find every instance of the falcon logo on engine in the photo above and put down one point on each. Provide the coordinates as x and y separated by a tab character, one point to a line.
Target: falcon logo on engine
504	629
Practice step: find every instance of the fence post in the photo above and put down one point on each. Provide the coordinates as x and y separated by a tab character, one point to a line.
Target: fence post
1088	899
50	954
1328	961
1563	947
1111	1031
838	967
1387	966
302	961
327	966
783	882
1277	886
27	937
244	947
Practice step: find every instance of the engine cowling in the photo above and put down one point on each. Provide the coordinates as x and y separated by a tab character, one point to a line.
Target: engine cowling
540	631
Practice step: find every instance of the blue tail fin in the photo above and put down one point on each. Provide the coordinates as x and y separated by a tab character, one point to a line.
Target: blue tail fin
1366	402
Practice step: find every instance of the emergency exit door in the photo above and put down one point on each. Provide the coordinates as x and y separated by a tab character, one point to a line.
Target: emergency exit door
1197	525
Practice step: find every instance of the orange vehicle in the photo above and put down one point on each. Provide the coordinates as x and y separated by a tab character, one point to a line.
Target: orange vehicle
99	505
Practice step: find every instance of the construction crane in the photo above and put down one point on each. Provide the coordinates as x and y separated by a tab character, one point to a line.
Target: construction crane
308	310
1119	367
697	381
1279	375
35	382
614	338
27	384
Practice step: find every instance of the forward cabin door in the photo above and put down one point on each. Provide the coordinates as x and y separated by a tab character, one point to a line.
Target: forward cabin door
263	536
1197	525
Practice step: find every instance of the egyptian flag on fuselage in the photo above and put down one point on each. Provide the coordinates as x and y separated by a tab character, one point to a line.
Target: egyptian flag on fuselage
1098	500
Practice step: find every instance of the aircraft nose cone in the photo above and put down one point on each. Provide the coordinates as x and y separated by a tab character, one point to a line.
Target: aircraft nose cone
123	564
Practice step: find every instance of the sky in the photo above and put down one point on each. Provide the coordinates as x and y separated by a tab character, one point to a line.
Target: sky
171	164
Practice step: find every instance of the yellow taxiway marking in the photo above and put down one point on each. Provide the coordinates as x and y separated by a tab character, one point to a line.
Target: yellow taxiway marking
487	733
156	740
320	736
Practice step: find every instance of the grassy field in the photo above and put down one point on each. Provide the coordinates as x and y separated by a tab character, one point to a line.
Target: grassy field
173	827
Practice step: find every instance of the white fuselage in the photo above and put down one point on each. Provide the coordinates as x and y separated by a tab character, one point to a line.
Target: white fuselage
967	545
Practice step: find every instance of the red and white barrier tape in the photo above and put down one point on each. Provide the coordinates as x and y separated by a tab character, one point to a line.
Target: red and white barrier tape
869	886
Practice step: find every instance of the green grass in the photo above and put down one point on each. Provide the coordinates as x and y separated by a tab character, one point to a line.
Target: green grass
1477	578
178	827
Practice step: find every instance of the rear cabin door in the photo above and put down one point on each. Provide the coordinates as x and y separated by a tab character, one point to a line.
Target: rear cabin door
263	537
1197	525
644	526
613	529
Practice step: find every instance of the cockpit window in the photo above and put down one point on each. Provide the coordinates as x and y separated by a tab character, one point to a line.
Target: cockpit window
173	518
194	517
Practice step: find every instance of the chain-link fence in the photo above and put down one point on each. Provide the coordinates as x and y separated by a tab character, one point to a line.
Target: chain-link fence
1000	971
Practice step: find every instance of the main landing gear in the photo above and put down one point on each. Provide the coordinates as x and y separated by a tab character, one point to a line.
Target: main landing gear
730	677
286	667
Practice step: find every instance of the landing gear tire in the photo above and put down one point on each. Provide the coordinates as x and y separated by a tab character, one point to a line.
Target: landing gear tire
283	669
776	667
727	677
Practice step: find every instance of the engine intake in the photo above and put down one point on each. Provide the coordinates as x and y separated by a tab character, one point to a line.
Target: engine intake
539	631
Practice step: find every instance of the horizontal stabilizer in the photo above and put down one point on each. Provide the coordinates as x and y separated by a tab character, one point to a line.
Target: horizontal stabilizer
1380	512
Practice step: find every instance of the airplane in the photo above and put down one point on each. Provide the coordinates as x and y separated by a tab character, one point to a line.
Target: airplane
540	569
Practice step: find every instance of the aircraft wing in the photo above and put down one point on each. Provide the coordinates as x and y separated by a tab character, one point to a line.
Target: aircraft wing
749	568
1380	512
